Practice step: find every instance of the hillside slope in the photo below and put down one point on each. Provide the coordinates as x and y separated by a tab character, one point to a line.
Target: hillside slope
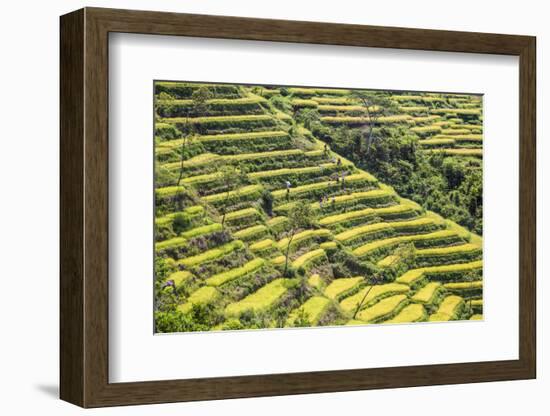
369	256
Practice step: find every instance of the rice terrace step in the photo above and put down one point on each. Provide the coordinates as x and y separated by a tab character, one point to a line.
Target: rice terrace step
280	207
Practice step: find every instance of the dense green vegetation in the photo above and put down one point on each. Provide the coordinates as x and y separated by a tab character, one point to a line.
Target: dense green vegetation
293	207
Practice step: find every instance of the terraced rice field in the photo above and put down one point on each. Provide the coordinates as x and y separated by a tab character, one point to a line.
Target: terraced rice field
233	166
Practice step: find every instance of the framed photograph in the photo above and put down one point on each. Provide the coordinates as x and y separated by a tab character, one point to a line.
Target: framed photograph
263	207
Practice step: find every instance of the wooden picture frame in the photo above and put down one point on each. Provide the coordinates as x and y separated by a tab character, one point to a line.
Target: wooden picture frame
84	207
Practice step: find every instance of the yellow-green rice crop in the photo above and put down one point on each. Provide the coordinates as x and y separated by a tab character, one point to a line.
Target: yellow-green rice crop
277	221
304	235
442	251
180	277
241	136
353	322
203	295
328	245
376	292
212	254
349	198
456	111
218	119
426	130
448	309
297	102
464	285
460	152
476	317
200	160
277	261
205	229
315	91
427	293
388	261
403	207
202	179
351	108
436	142
335	100
413	275
315	281
414	109
281	193
262	245
427	119
385	308
251	232
214	101
420	98
244	191
290	171
242	213
454	132
377	244
169	191
342	285
410	313
221	278
262	155
171	243
314	309
347	216
460	137
261	300
307	258
403	118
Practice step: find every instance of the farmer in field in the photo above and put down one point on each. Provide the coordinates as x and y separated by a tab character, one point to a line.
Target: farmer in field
288	185
170	283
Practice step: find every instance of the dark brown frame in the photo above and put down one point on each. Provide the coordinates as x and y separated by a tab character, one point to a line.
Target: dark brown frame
84	207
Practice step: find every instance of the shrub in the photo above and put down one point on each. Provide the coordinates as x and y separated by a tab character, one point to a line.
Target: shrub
267	202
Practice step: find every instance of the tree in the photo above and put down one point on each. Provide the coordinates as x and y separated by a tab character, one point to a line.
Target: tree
371	282
199	105
231	178
375	106
300	217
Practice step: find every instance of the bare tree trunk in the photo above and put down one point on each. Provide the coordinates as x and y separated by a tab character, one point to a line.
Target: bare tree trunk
288	250
224	211
360	305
